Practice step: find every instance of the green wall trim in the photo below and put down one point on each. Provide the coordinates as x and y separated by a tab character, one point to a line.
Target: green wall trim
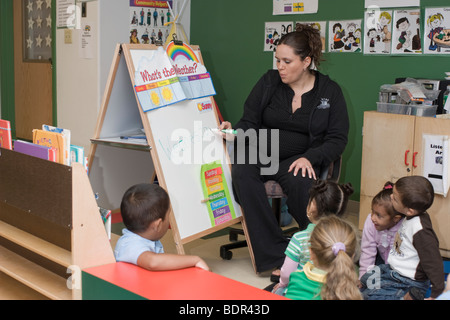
7	62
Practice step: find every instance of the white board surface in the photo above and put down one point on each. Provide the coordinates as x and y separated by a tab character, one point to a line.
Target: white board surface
183	141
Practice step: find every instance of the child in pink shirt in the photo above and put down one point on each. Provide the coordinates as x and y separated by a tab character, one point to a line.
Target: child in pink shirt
379	230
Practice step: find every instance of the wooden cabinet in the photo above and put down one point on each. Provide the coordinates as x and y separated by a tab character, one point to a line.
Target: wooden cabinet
393	148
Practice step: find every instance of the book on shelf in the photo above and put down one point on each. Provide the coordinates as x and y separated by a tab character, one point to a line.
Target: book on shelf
36	150
77	155
66	139
53	139
5	134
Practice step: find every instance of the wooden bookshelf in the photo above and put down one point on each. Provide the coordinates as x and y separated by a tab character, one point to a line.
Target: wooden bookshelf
50	225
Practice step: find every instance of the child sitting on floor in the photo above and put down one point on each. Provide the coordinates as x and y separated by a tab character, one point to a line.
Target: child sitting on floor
332	275
379	230
414	259
325	198
144	211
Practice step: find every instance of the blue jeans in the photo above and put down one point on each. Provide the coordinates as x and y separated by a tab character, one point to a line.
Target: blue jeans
388	285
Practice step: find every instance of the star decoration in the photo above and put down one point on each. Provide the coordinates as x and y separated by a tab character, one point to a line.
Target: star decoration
48	3
39	4
30	6
49	20
39	22
29	42
30	23
48	41
39	41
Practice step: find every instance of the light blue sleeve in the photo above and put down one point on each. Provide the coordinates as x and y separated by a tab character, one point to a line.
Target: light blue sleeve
130	246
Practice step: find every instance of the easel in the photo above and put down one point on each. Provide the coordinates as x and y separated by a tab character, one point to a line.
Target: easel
123	51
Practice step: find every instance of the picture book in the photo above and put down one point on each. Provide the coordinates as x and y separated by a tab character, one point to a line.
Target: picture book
51	139
77	155
5	134
35	150
66	139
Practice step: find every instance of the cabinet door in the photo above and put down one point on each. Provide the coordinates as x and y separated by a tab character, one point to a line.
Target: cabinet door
440	210
388	141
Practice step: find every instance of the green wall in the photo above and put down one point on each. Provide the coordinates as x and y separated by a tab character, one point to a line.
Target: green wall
230	34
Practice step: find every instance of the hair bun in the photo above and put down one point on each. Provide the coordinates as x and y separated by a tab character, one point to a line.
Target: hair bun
347	188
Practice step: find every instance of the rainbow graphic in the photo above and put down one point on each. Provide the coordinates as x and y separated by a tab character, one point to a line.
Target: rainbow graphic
184	51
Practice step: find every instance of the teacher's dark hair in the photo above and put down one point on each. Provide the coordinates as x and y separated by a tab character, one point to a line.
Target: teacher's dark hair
306	42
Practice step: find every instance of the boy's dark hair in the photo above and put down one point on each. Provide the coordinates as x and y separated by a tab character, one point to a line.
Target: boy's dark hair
142	204
330	197
416	192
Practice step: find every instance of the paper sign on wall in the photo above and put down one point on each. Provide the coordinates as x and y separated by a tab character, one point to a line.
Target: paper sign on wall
295	6
435	162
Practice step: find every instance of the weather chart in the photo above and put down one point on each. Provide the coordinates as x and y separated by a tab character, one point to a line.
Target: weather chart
169	76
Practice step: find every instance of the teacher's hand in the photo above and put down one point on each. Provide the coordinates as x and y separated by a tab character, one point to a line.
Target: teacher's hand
227	136
305	166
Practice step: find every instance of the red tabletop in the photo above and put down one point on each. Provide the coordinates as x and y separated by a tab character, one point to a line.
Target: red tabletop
184	284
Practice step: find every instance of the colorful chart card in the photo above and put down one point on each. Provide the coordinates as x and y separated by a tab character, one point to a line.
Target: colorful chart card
194	78
156	82
217	196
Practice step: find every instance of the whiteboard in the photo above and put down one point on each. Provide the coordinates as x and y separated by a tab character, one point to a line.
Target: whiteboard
181	160
182	141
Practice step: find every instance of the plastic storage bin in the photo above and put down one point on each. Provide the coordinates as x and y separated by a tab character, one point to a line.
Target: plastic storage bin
415	110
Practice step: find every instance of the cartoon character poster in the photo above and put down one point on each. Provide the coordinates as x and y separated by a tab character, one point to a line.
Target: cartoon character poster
437	31
344	36
273	32
377	31
406	38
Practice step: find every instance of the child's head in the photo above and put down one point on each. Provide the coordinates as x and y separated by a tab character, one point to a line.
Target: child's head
412	195
384	216
327	197
143	204
333	245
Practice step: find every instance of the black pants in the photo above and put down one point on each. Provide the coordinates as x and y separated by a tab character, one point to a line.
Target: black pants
266	237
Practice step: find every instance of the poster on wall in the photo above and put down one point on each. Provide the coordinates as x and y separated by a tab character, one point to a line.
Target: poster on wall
406	37
295	7
437	31
391	3
148	19
344	36
377	31
273	32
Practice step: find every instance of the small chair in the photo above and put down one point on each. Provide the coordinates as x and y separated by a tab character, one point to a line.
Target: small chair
275	192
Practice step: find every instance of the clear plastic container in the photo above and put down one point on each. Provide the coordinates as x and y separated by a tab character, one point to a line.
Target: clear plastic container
415	110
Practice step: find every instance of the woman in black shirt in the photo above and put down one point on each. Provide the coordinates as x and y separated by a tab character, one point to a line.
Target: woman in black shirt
306	121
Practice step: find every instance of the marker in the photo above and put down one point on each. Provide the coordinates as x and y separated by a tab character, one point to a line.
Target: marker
133	137
206	200
232	131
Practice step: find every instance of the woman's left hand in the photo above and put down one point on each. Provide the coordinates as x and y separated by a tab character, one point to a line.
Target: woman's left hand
305	166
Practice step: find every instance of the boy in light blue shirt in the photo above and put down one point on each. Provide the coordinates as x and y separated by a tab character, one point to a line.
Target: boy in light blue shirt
144	211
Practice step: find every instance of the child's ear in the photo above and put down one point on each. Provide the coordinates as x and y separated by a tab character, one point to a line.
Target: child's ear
157	224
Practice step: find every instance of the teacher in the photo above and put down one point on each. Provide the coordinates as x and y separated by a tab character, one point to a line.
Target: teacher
305	112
